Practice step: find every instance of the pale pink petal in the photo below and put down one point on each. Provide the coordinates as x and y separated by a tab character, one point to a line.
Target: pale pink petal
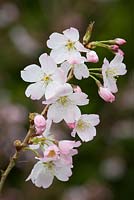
65	67
59	76
56	41
120	69
110	83
32	73
51	89
55	113
35	90
44	179
66	145
59	55
80	47
76	59
116	60
79	98
93	119
81	71
72	34
63	173
87	135
47	64
71	113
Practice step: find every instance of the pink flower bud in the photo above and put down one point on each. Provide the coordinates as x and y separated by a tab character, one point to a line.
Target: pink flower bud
40	130
77	89
71	125
92	57
114	47
106	95
39	121
120	41
120	52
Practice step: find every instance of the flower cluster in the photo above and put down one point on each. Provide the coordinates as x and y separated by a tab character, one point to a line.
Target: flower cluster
68	58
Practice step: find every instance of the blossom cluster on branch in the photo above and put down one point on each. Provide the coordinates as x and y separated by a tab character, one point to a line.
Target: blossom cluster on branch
50	82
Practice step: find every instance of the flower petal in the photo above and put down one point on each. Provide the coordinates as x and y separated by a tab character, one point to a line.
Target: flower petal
63	173
65	67
117	59
72	34
56	41
32	73
110	83
87	135
47	64
80	71
92	119
71	113
79	98
55	113
59	55
35	90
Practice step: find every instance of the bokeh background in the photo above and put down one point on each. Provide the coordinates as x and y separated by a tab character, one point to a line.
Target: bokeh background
104	168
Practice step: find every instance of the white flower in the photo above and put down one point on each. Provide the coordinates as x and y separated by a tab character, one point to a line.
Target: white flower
42	174
64	104
80	70
84	127
44	79
65	46
111	70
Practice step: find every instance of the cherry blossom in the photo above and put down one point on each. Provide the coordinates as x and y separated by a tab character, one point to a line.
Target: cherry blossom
111	70
65	46
84	127
80	70
42	174
64	104
44	79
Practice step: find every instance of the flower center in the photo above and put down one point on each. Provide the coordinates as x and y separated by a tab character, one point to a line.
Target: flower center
63	100
111	72
70	45
51	154
46	78
81	125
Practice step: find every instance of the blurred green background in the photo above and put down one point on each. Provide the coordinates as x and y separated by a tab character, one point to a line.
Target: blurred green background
104	168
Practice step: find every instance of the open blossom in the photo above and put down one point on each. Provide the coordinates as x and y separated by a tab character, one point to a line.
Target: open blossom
111	70
84	127
106	95
65	46
56	161
64	104
80	70
43	173
44	79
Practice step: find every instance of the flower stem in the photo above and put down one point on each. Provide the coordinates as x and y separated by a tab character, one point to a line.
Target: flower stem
15	157
8	169
95	69
96	80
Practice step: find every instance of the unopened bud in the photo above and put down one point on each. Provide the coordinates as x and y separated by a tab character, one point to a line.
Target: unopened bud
114	47
106	95
17	144
39	121
71	125
120	41
88	33
92	57
77	89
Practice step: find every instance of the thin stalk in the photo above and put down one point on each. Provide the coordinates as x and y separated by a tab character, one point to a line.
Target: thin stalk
95	69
